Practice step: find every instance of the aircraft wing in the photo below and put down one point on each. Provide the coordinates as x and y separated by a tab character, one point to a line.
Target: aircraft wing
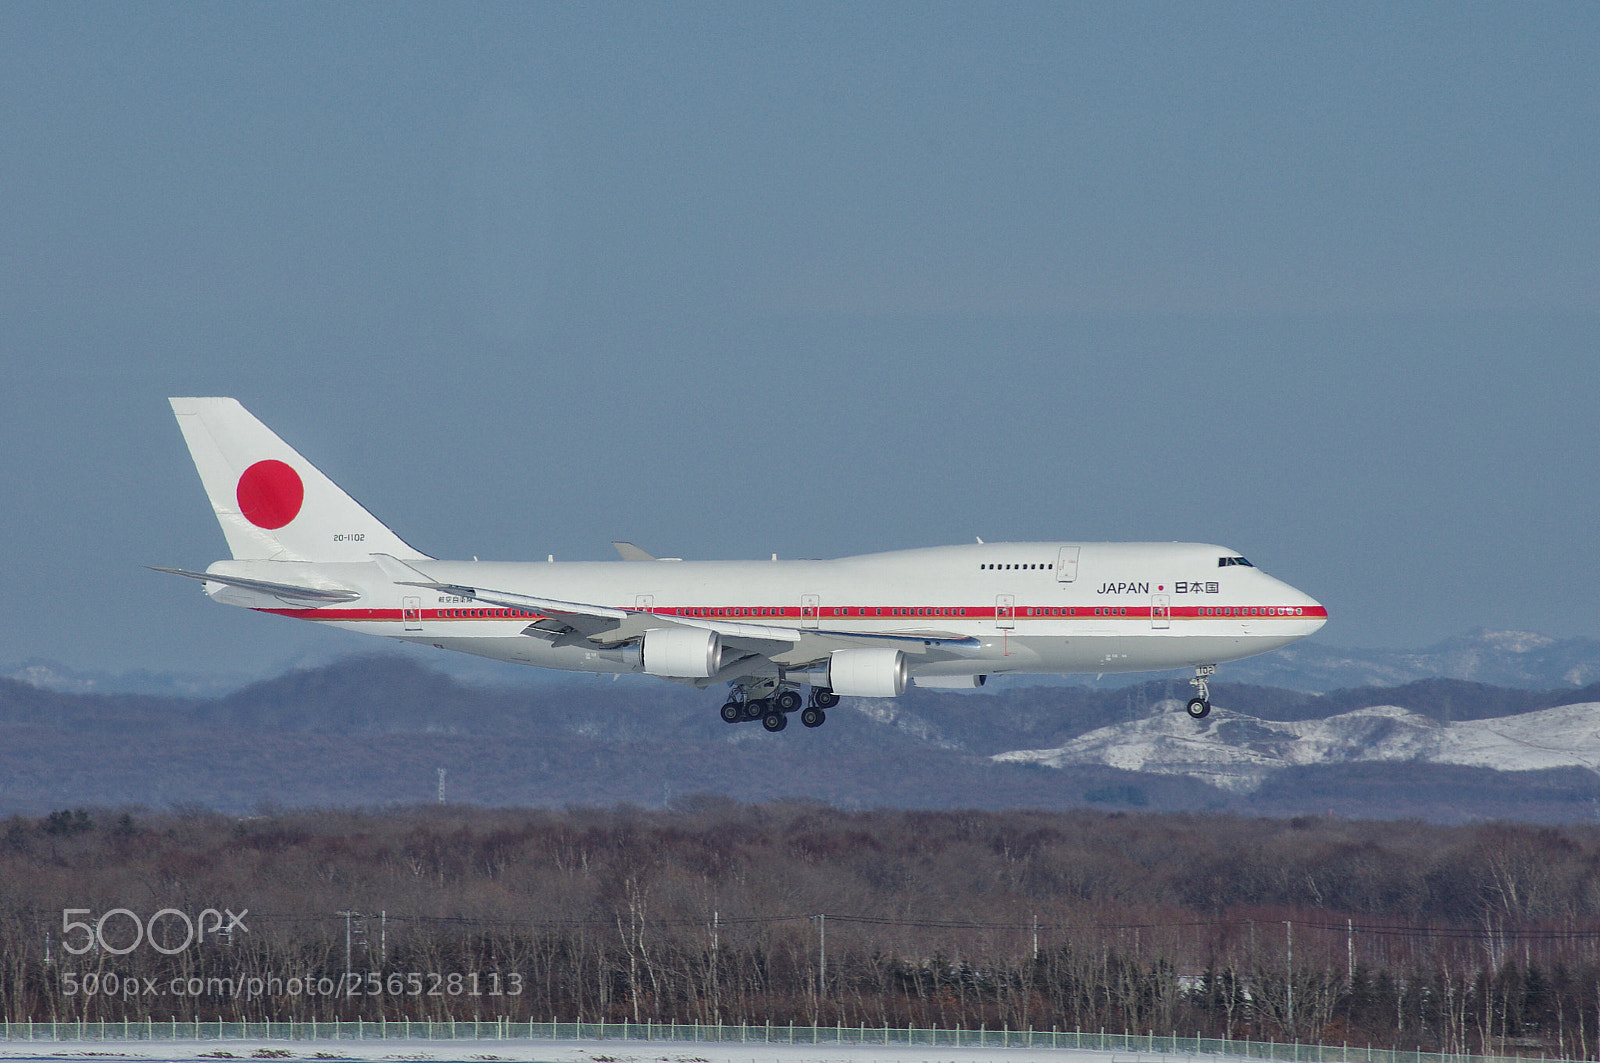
559	618
566	623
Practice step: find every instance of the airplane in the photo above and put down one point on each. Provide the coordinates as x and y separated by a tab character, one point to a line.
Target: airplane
863	626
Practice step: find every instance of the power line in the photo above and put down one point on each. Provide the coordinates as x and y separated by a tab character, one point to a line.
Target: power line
1343	927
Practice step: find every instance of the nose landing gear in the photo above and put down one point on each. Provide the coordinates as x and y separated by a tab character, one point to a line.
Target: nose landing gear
1200	706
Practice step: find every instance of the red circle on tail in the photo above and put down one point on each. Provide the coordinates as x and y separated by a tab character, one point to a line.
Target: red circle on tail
270	494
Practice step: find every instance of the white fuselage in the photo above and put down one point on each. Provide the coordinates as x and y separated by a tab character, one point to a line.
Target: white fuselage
1048	607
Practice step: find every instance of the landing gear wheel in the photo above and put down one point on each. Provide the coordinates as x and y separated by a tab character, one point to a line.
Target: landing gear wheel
1199	708
813	717
774	721
787	701
732	711
825	699
756	708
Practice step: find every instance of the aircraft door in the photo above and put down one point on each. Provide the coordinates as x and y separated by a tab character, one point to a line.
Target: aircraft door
809	604
1067	564
644	603
1160	611
1005	611
411	613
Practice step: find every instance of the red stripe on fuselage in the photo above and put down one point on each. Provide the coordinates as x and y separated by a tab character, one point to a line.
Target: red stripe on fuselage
759	614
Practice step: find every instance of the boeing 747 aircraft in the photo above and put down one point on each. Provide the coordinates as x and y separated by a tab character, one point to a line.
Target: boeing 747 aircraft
945	616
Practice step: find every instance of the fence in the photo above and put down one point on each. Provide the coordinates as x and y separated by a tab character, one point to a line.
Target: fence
944	1037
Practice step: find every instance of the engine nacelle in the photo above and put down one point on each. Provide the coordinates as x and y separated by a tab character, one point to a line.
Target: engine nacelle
682	652
873	673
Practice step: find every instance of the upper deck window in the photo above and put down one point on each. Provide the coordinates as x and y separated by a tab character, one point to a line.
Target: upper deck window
1224	562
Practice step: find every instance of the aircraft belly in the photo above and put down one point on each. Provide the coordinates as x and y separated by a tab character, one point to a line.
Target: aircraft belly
1129	652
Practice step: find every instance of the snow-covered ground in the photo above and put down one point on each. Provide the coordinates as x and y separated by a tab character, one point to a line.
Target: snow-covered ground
1236	753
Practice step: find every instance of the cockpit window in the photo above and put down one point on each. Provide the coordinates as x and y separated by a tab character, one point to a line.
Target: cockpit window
1224	562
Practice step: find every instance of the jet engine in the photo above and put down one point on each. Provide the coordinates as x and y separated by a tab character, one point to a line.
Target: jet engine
870	673
682	652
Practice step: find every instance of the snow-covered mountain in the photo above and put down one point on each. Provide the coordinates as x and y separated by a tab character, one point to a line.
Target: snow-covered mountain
51	675
1500	658
1237	753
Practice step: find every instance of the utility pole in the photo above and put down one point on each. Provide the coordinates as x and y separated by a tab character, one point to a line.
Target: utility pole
347	913
441	786
822	957
716	956
1350	952
1288	928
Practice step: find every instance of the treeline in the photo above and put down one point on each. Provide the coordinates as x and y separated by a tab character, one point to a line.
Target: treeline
1483	938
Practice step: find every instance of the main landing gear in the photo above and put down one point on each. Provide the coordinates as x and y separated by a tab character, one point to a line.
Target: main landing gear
1200	705
771	702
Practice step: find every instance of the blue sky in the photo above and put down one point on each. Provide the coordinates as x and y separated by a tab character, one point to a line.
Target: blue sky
1318	283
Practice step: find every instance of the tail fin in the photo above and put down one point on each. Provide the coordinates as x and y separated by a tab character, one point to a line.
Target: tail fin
272	503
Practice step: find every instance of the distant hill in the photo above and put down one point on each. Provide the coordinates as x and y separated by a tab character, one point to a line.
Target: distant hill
1501	658
51	675
374	731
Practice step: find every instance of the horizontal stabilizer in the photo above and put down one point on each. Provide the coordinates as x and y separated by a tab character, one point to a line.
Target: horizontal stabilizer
278	590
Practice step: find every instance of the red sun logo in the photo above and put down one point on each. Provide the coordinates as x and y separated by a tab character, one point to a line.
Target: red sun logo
270	494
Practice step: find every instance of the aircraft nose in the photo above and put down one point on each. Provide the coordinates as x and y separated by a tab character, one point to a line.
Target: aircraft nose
1307	609
1315	613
